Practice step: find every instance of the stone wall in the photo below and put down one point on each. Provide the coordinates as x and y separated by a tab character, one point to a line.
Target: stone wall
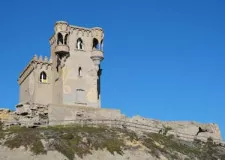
57	113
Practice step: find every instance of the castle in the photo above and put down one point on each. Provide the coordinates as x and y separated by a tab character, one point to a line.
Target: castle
66	89
67	85
72	74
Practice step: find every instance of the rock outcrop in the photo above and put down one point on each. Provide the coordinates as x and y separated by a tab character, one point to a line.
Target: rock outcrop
6	114
32	114
187	130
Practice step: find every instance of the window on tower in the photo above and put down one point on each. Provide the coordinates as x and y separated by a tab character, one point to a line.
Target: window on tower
95	44
59	39
43	77
79	44
79	72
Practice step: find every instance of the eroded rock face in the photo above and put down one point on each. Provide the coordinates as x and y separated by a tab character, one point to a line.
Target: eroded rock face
6	114
32	114
186	130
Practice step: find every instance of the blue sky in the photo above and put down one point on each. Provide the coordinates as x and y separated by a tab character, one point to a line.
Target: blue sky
163	59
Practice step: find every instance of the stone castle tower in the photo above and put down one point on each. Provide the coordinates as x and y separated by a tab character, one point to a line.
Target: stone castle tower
72	74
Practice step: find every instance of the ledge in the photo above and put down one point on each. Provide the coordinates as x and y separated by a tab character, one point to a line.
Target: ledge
62	48
97	53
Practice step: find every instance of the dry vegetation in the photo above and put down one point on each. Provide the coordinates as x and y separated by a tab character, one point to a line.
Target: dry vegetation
72	139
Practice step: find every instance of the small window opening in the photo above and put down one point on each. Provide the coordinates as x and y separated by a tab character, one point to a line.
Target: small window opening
60	39
43	77
95	44
79	44
65	39
79	72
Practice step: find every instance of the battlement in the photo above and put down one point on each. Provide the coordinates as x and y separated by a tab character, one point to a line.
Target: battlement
35	62
95	31
92	36
64	26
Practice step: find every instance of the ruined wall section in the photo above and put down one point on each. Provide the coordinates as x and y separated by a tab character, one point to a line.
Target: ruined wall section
186	130
62	114
6	115
31	114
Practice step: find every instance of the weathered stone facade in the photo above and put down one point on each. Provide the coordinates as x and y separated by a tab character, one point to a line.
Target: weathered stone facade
72	74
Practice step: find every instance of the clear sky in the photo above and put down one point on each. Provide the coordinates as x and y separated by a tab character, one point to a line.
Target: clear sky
163	59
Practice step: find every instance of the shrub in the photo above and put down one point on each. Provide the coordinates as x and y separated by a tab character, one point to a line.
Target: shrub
73	139
29	138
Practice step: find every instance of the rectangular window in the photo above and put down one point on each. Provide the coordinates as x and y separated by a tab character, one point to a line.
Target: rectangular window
80	96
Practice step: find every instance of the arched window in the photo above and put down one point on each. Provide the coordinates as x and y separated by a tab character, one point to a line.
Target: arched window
59	39
79	44
43	77
65	39
79	72
95	44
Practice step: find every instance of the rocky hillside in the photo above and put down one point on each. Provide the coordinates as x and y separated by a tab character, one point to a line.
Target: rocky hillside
95	143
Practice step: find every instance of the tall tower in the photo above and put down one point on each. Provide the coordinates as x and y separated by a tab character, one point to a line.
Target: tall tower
76	54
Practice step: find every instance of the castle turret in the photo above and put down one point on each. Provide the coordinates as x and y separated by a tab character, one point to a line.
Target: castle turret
61	33
62	30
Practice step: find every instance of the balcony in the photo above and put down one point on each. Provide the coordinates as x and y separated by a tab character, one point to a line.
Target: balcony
97	57
62	49
97	54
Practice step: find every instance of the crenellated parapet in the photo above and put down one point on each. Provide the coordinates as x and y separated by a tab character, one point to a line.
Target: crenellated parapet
87	39
36	62
60	27
39	62
95	32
